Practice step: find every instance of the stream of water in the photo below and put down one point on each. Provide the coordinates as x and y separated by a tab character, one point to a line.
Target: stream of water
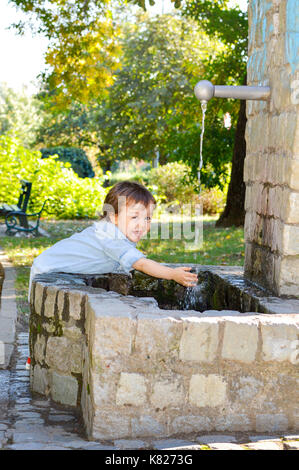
203	109
198	211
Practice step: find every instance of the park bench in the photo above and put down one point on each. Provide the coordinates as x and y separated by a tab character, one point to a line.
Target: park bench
16	217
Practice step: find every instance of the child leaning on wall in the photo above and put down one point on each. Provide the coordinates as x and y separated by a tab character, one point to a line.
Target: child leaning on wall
109	245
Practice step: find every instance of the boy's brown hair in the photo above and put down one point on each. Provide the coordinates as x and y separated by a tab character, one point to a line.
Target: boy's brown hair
131	191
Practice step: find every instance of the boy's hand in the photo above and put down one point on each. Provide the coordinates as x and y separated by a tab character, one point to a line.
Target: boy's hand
184	277
180	275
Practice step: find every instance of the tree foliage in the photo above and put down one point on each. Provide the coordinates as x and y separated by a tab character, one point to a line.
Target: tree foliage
230	25
151	105
75	126
75	156
83	51
131	92
21	115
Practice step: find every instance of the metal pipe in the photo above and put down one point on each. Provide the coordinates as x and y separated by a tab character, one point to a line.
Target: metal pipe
205	90
242	92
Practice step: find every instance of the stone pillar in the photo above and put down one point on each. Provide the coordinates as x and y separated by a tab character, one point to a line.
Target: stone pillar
271	170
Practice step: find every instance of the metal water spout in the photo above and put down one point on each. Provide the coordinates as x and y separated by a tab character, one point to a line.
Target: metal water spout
205	90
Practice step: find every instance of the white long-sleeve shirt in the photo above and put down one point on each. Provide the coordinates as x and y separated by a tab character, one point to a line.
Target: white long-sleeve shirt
100	248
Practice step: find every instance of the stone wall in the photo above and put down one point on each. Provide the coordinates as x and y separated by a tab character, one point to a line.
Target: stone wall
271	169
137	370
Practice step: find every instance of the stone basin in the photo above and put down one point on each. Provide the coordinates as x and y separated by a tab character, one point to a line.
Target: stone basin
146	357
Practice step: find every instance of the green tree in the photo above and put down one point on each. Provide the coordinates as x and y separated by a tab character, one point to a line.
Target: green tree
231	26
83	49
75	126
78	29
218	19
151	105
20	115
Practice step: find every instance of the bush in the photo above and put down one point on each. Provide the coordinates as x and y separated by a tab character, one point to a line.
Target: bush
69	196
213	200
170	180
176	189
75	156
171	186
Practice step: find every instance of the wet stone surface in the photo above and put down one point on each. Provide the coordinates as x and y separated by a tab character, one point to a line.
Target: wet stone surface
33	422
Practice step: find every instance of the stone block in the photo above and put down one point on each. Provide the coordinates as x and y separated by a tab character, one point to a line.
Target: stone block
109	306
104	388
271	422
76	299
64	355
249	168
259	265
64	389
50	301
190	424
38	300
233	423
31	294
256	196
148	426
199	340
73	333
247	389
292	172
110	424
131	389
275	201
113	329
281	94
39	380
168	393
61	300
240	340
280	340
290	210
113	337
39	349
248	197
157	336
249	226
275	170
287	276
257	229
290	240
207	390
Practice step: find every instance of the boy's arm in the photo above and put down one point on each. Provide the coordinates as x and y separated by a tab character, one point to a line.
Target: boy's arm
180	274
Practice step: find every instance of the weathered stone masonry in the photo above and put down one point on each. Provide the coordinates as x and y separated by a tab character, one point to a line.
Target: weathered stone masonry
138	370
271	169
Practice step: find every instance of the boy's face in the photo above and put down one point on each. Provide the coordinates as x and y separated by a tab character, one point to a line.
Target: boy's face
134	220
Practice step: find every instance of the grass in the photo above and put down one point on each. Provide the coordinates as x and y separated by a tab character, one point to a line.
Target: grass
221	246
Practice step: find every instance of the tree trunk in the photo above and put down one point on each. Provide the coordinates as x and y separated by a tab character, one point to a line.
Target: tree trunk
234	212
